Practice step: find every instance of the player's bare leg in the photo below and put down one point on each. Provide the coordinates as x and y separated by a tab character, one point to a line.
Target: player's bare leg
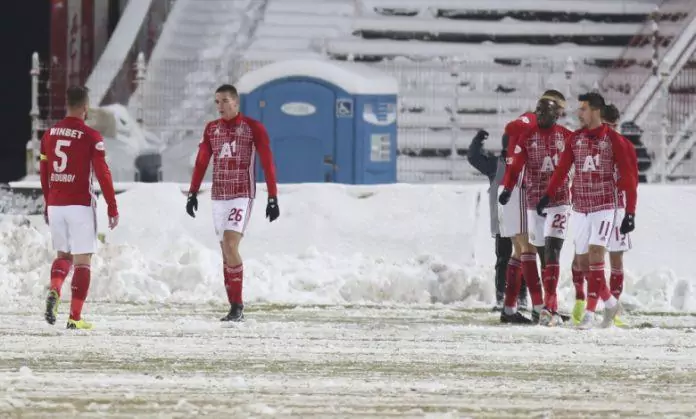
579	274
597	288
551	273
80	288
234	274
60	269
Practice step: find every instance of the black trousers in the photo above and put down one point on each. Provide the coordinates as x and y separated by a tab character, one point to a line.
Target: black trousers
503	251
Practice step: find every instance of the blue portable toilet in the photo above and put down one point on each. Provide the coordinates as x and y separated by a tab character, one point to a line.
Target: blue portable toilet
328	121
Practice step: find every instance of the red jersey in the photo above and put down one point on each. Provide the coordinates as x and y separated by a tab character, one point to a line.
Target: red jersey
233	145
538	152
70	153
514	129
596	155
631	149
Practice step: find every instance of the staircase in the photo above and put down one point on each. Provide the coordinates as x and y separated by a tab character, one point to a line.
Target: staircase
197	51
298	28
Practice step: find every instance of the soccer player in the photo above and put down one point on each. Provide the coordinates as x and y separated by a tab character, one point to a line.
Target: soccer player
232	141
513	223
494	168
70	152
618	243
597	152
538	151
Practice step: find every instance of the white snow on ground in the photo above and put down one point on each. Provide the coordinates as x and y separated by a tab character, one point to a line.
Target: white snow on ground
368	362
336	244
339	316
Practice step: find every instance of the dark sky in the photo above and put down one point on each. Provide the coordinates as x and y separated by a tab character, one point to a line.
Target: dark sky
25	29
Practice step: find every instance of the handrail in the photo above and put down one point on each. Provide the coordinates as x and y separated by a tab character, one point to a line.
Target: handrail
616	80
116	51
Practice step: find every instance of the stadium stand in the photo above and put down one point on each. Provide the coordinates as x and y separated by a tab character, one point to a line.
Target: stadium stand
461	66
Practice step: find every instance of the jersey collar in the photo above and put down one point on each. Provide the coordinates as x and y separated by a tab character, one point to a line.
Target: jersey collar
234	121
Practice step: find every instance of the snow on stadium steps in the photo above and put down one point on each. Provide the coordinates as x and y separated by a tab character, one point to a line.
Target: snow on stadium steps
337	244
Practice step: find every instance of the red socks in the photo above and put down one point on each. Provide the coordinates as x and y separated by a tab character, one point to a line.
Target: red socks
233	283
513	283
80	286
616	282
59	271
551	273
579	284
596	286
531	275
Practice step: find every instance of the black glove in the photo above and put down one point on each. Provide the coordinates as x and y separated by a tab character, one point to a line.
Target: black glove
543	203
192	204
272	210
482	135
628	224
504	197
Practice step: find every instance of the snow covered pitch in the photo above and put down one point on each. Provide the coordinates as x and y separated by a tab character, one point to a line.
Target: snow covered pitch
361	301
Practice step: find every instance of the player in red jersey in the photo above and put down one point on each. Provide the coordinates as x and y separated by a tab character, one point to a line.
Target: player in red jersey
70	153
618	243
537	151
513	223
597	152
232	141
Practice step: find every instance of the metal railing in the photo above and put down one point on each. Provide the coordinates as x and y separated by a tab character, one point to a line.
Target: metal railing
441	106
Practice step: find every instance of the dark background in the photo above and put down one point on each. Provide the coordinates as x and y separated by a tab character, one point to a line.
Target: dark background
25	29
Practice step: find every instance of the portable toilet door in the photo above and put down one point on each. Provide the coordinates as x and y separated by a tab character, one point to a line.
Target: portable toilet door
298	114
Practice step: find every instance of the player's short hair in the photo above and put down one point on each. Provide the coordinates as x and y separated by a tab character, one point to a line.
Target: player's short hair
610	114
227	88
595	100
76	96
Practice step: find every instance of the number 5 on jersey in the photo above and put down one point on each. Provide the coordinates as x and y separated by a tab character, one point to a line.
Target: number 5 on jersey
59	167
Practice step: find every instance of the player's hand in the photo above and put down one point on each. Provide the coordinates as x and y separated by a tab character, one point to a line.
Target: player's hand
272	210
113	222
628	224
543	203
482	135
192	204
504	197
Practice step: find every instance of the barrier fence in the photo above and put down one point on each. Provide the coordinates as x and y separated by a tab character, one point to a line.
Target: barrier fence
442	104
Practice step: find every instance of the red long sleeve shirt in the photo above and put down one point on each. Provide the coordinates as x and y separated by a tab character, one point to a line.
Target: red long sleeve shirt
514	129
538	152
71	152
598	155
233	145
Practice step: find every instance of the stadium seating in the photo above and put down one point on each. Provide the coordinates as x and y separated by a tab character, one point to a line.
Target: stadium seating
461	66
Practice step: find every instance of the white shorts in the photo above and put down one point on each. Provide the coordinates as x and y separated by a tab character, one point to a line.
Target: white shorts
619	242
512	216
594	228
231	215
73	229
555	224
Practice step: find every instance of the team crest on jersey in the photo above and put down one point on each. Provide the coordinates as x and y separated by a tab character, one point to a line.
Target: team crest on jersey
560	145
603	145
524	119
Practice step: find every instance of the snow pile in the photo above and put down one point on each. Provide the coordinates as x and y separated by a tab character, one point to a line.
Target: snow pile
337	244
